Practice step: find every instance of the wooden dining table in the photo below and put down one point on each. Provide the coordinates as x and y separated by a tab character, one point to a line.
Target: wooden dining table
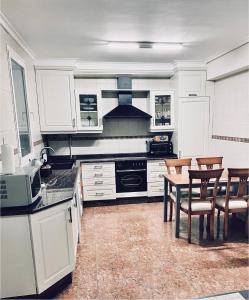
181	181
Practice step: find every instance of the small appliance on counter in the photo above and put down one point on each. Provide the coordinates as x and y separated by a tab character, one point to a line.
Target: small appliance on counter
160	145
21	188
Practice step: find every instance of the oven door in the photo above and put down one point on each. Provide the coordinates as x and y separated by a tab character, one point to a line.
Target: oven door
131	181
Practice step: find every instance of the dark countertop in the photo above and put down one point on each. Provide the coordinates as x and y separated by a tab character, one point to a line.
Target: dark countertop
59	189
109	157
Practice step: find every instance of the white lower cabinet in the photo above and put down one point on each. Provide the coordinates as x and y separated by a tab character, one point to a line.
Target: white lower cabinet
53	244
17	267
155	171
98	181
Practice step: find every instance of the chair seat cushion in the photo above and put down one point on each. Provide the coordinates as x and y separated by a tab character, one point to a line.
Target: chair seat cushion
232	203
197	205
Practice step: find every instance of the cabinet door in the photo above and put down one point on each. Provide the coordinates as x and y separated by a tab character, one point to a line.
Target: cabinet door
162	110
56	101
52	235
193	126
75	224
192	83
17	267
88	111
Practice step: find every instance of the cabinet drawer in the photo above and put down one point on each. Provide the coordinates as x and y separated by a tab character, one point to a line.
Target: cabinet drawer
155	189
158	165
100	193
98	181
155	176
104	170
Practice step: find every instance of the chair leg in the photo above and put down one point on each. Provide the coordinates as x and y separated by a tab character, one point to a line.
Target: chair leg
170	210
212	226
189	228
201	227
218	224
225	227
208	226
247	225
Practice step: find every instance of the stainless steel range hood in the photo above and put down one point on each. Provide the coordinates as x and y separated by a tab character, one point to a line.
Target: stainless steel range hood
125	109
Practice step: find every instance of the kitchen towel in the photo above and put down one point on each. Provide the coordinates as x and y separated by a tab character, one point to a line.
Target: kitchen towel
8	159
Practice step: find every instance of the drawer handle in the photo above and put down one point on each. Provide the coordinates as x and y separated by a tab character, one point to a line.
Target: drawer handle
98	182
192	95
98	167
160	175
98	175
99	194
161	190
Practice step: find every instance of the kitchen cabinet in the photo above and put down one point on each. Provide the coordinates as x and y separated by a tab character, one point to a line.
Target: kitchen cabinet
193	126
191	83
88	110
155	171
53	244
162	110
17	267
56	100
98	181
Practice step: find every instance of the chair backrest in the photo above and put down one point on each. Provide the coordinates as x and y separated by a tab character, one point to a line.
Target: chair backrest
209	162
242	174
204	176
177	164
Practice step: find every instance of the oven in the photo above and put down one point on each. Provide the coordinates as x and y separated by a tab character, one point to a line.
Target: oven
131	176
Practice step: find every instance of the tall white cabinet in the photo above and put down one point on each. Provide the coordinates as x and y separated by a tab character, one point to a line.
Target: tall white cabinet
192	113
56	100
193	126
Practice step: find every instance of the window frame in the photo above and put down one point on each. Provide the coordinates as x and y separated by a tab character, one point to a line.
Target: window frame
12	55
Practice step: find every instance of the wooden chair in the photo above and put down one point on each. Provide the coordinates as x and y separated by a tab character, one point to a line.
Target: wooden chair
209	162
234	203
176	165
204	204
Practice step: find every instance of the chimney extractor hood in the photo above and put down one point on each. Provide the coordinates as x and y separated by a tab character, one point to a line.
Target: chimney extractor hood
125	108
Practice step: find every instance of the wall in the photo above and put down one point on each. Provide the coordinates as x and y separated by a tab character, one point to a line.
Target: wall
230	124
7	120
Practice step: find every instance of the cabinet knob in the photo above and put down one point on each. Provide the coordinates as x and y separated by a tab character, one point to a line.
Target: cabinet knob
73	122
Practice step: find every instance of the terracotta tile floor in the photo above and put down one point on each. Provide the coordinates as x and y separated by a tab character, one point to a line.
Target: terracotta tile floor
128	252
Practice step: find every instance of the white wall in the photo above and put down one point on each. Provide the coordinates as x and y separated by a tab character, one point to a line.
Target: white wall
7	121
231	120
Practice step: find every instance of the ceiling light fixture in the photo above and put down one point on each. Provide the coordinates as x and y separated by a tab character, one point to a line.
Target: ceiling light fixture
144	45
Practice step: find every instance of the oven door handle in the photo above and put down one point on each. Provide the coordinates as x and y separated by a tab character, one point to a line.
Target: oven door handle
130	170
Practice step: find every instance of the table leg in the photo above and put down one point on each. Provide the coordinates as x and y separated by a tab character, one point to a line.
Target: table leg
178	198
165	199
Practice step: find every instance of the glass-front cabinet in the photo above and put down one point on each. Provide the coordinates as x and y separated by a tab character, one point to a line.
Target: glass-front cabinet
88	111
162	110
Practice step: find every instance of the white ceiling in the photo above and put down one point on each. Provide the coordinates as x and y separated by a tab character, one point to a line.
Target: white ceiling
75	28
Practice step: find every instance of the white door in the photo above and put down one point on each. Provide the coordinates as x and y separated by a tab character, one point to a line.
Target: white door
56	100
193	126
53	244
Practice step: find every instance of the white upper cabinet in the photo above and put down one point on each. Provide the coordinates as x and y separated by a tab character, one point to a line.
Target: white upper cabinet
162	110
192	83
56	101
88	110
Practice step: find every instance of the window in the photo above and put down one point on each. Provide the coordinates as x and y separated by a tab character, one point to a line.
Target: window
20	104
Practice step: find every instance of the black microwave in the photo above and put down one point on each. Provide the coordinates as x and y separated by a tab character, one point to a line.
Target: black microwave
159	148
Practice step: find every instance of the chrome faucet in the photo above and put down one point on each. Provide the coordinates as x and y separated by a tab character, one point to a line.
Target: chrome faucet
42	154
